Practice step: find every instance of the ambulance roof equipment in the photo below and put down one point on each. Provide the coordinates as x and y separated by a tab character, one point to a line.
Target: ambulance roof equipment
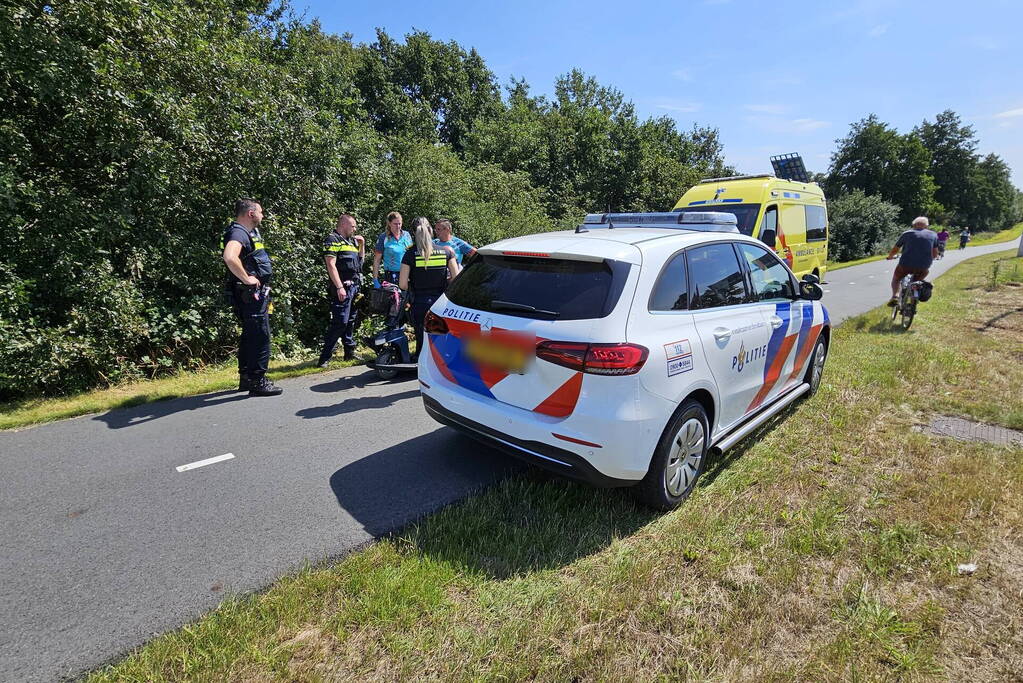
790	167
702	221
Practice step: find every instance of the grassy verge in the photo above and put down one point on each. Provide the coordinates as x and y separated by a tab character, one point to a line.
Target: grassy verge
824	547
1008	235
34	411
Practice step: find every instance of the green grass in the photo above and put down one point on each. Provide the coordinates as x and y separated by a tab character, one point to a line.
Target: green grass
1008	235
35	411
822	548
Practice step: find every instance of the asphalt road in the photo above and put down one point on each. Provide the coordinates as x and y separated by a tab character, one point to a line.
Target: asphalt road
106	544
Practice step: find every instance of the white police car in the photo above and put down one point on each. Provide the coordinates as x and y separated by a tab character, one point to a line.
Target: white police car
621	355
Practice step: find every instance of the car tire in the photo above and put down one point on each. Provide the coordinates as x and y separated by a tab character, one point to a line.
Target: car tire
679	459
815	366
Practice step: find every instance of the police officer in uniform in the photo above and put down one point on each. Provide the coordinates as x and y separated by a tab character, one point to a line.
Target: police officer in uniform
343	252
248	279
425	273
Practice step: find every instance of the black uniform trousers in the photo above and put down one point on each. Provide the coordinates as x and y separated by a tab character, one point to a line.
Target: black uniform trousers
254	343
342	323
421	304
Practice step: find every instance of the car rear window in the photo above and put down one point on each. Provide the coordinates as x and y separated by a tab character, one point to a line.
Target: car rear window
560	289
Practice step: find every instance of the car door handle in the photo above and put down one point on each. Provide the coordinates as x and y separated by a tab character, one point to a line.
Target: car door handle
722	334
776	322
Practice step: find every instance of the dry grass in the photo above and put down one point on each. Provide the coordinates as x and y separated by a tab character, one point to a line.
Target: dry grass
824	548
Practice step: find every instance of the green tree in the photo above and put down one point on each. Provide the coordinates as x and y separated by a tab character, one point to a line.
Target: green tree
953	160
877	160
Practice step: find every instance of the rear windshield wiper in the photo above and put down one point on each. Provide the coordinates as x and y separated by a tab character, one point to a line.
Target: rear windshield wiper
512	306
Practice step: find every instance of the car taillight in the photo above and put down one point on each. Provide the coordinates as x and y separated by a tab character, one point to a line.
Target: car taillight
596	359
615	359
434	324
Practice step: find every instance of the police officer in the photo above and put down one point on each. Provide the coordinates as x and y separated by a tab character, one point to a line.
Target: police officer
425	273
249	272
343	252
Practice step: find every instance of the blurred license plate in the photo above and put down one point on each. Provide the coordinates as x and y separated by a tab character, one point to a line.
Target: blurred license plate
510	357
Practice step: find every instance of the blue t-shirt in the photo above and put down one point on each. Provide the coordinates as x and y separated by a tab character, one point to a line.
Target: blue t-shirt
457	245
917	248
393	249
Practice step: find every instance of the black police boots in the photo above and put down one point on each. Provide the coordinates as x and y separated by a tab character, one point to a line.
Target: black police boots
264	387
349	352
244	383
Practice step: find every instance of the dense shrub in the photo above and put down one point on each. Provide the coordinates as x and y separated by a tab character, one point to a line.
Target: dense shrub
861	225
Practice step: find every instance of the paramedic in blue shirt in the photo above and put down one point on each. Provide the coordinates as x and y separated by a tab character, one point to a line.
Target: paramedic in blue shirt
919	249
444	238
390	249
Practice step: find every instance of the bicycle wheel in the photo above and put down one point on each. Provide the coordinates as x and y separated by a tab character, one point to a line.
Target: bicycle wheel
908	312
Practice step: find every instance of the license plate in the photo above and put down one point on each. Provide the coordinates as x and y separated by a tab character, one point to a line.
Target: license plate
498	354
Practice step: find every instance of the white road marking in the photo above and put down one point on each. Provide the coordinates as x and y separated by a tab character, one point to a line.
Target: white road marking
203	463
827	290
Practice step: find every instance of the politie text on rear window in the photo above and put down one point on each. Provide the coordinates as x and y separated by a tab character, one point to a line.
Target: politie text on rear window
543	288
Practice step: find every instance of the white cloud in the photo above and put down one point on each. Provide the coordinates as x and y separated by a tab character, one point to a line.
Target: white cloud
878	31
776	109
682	74
807	125
1010	114
782	126
679	107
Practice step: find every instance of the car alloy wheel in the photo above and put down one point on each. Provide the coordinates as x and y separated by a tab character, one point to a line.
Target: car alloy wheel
684	459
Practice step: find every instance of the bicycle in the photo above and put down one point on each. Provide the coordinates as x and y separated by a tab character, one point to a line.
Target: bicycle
909	296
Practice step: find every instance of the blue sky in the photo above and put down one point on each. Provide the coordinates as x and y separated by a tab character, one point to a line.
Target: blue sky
773	77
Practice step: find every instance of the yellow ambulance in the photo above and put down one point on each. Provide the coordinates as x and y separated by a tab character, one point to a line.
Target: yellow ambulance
789	215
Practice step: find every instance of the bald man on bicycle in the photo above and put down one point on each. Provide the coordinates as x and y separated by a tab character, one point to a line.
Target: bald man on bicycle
919	249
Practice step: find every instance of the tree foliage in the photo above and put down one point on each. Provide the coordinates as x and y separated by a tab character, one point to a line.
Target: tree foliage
129	126
934	170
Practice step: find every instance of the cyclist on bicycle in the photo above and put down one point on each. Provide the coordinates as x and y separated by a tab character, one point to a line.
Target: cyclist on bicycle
942	240
919	249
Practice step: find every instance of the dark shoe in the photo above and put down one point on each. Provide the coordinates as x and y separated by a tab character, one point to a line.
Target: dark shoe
265	388
893	302
349	353
244	383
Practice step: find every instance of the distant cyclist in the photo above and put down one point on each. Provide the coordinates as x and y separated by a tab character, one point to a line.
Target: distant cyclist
942	240
919	248
964	237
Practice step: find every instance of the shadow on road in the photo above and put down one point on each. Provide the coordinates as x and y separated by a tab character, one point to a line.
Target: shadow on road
528	521
390	488
352	405
147	412
360	381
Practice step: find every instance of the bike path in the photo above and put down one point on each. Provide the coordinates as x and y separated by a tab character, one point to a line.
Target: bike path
106	544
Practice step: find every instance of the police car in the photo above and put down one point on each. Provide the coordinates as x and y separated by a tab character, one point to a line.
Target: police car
622	353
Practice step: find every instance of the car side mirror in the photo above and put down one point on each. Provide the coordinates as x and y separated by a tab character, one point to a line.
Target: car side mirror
810	290
767	237
810	277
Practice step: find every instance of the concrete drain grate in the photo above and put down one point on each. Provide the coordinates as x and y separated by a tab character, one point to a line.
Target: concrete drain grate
965	430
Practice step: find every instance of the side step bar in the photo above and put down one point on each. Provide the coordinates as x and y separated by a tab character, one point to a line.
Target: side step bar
729	440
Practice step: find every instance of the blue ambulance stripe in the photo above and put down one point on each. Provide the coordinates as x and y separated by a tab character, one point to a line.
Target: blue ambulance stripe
702	201
731	200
